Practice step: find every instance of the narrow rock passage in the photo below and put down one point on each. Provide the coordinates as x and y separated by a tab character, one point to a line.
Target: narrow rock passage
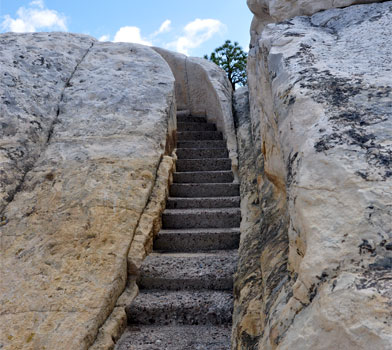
185	300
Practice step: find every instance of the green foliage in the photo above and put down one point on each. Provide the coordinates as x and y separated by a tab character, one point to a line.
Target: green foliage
232	59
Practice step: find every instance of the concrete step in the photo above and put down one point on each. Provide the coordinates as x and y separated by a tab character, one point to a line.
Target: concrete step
210	164
201	144
179	271
199	135
224	176
181	308
193	240
190	119
192	126
201	218
180	337
202	202
200	153
190	190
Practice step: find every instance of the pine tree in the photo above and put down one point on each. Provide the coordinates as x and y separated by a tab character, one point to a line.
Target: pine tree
233	60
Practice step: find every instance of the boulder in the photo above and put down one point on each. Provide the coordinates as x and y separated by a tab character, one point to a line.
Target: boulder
321	89
90	122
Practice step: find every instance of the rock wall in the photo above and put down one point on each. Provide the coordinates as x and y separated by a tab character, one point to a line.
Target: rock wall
203	88
84	128
320	95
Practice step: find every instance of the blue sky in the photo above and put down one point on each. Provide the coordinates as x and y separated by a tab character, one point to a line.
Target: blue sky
191	27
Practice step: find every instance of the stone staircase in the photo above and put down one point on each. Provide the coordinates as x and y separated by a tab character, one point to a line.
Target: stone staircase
185	300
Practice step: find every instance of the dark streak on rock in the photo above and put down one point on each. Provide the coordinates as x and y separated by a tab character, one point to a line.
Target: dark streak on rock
249	342
290	169
382	264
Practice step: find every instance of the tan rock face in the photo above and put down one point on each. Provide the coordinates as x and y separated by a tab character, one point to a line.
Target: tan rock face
149	225
325	126
65	235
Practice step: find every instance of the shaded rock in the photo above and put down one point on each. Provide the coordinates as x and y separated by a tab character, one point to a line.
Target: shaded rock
262	269
69	228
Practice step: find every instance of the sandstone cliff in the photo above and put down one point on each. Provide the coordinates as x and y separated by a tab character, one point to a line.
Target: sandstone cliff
316	261
84	129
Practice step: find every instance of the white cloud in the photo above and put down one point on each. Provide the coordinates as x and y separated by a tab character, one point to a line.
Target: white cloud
38	3
34	18
196	33
164	28
104	38
130	34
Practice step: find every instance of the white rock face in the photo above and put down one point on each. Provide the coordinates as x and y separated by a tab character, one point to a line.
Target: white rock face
267	11
90	126
322	89
34	70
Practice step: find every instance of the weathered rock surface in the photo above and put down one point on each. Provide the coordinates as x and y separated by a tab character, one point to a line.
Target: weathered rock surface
79	182
34	71
321	88
267	11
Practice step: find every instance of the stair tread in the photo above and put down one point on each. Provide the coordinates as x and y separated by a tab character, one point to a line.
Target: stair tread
190	199
208	184
201	217
198	149
189	270
199	135
201	159
201	172
197	240
203	198
163	298
179	337
191	190
200	211
202	202
202	153
181	307
205	144
192	231
195	126
204	164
